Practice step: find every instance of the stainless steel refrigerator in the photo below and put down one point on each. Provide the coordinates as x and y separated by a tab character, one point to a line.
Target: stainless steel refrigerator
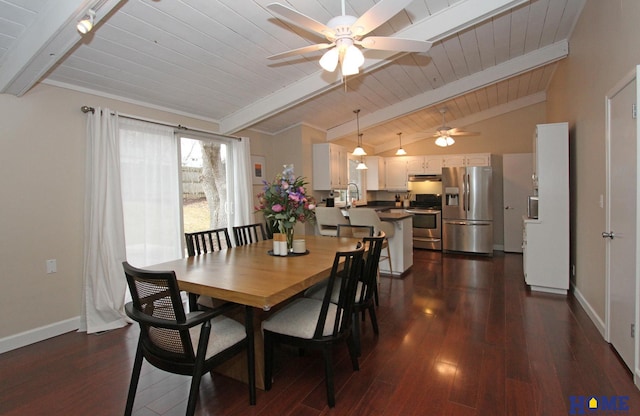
467	209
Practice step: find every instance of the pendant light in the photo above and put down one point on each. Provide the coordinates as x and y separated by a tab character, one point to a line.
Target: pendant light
358	151
361	165
400	151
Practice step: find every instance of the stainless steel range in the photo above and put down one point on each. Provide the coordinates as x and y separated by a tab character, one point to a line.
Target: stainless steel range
427	221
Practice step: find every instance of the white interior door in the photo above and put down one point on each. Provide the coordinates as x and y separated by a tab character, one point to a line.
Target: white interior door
517	169
621	219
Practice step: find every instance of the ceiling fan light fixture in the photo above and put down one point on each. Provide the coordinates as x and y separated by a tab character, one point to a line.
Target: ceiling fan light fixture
85	25
352	60
329	61
441	141
444	141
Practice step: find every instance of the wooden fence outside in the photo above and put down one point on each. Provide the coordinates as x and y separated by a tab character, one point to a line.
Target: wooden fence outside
191	187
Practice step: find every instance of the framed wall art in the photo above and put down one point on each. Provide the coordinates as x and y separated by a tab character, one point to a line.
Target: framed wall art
258	169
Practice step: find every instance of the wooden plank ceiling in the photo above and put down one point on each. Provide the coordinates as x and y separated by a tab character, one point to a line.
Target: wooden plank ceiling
208	59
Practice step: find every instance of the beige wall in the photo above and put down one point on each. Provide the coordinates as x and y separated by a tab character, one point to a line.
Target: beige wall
603	49
42	146
292	146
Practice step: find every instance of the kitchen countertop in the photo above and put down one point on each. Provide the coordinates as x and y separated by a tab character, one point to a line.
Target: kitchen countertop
393	216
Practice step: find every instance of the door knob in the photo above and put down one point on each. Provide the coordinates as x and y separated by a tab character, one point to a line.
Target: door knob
610	235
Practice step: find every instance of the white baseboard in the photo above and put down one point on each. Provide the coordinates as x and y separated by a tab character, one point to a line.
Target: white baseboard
597	321
38	334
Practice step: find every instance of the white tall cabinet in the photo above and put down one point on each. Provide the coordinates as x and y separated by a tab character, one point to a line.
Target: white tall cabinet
546	239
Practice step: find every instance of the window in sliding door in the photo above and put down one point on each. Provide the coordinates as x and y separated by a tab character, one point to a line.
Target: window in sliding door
205	167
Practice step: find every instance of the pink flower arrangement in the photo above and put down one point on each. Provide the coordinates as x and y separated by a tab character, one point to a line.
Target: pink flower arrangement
285	201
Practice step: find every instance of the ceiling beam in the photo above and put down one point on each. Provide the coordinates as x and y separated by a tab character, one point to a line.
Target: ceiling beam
505	70
455	18
51	35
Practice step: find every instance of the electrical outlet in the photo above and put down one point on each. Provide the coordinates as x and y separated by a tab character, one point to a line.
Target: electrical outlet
52	266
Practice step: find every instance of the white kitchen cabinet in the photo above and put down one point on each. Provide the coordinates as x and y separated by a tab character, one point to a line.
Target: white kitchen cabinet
375	173
472	159
424	164
546	239
329	167
396	173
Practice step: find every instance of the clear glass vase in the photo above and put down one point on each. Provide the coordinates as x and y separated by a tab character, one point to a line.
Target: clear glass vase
288	232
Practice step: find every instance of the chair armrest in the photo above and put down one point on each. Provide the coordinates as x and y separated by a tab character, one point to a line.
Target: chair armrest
193	318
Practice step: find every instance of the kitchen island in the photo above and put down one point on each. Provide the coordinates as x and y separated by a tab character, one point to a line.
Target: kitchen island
400	245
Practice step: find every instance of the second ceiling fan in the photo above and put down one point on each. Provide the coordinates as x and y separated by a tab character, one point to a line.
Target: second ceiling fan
445	134
345	33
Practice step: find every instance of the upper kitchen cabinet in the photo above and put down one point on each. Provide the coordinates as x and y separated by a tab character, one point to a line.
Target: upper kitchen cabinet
375	173
424	165
329	167
396	173
472	159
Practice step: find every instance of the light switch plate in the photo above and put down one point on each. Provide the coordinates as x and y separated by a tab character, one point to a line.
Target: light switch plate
52	266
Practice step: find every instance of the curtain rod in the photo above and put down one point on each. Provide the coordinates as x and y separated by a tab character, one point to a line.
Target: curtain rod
87	109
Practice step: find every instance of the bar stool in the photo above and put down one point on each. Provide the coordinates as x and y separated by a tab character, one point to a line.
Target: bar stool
328	219
368	216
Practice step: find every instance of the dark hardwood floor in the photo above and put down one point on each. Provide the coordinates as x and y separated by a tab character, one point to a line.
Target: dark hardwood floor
459	335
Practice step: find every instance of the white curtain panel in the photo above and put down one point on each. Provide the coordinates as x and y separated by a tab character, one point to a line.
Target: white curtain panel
242	212
150	192
104	249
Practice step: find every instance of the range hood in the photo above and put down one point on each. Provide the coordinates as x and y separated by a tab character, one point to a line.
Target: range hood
424	178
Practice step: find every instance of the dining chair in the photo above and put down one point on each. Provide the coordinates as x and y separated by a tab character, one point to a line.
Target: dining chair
328	219
367	287
189	344
249	234
318	324
202	242
368	216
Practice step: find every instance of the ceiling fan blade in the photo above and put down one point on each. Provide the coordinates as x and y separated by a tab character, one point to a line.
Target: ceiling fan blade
301	20
454	132
300	51
394	44
377	15
460	132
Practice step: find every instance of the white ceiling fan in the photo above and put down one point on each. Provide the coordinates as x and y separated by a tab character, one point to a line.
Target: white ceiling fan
445	134
345	32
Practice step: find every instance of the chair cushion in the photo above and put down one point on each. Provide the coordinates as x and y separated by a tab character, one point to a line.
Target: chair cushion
299	319
317	291
225	332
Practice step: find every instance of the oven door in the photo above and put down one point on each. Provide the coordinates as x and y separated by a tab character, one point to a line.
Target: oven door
427	232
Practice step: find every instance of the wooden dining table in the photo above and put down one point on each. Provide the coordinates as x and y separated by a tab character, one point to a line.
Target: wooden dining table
249	275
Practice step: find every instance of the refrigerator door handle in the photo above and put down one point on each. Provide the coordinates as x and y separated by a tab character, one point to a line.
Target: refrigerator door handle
464	193
468	192
456	222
